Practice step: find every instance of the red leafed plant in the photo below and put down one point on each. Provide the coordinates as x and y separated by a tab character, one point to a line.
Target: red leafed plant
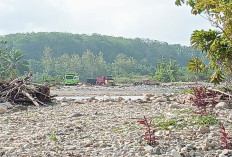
202	100
149	135
225	138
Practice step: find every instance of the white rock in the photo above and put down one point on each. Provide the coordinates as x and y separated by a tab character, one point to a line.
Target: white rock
197	154
221	105
64	104
222	155
148	148
211	144
191	153
2	110
225	151
64	99
175	153
230	116
6	105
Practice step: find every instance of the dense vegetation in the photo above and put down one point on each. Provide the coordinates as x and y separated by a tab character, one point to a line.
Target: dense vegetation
217	44
145	51
51	55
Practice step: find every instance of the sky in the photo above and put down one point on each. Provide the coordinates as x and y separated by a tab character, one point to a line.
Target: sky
150	19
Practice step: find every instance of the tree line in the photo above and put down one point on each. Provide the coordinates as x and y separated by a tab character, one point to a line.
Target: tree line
89	65
138	57
145	51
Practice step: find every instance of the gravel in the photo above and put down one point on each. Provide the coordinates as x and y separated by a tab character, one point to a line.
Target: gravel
109	127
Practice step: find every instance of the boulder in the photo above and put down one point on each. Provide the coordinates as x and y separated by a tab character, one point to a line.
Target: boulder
203	130
2	110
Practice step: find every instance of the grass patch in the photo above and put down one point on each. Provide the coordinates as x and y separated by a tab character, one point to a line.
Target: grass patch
84	137
187	91
207	121
132	127
117	129
165	125
53	137
183	119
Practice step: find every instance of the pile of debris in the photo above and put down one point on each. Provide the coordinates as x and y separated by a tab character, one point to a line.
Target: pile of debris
20	91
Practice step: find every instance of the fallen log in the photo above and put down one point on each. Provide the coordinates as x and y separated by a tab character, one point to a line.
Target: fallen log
31	98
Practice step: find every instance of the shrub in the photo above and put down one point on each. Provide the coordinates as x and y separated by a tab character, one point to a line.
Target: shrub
225	139
202	101
149	135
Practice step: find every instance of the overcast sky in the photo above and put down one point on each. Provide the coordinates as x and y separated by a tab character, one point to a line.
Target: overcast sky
154	19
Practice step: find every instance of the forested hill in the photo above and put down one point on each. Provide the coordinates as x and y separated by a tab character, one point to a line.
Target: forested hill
144	50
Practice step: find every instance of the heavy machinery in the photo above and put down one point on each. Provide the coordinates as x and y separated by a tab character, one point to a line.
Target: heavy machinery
71	79
91	81
106	80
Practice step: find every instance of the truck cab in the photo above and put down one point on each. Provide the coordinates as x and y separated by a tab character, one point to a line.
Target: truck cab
106	80
71	79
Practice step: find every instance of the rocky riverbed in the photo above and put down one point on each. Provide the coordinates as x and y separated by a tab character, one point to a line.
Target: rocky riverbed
109	127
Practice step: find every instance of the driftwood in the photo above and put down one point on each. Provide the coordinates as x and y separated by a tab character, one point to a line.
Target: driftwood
20	91
221	95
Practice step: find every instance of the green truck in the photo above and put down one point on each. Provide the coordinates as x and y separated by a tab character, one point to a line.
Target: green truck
71	79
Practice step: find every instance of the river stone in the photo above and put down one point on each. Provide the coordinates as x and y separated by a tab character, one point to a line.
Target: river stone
148	148
71	147
76	115
78	102
221	105
203	130
157	151
7	105
2	110
174	106
191	153
175	153
197	154
161	99
225	151
20	107
222	155
147	95
64	99
211	144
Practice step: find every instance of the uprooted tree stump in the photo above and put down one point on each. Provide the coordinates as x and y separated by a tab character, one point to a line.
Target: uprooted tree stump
20	91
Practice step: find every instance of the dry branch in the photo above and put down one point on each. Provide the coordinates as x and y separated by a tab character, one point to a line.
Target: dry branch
20	91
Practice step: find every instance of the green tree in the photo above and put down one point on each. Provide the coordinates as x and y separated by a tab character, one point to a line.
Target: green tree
102	68
89	64
196	66
4	66
216	44
167	71
17	65
125	66
35	66
48	62
12	63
